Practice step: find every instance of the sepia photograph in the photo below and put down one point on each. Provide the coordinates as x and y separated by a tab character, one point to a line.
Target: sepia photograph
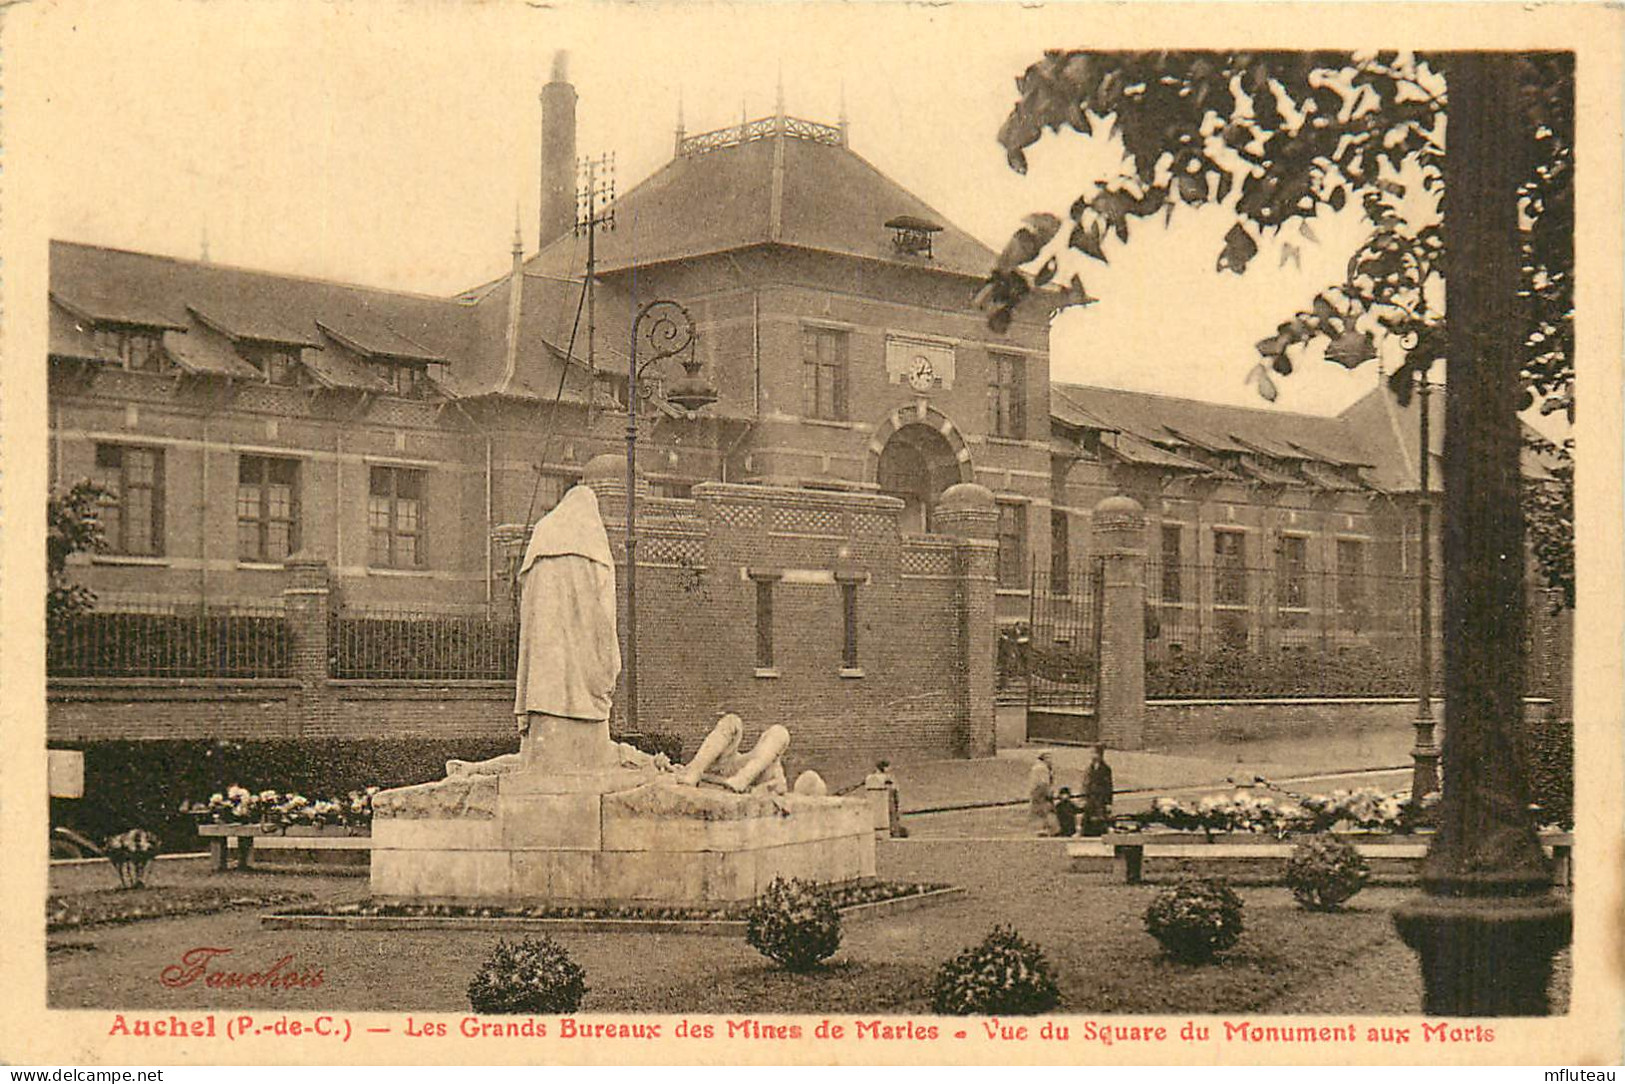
842	532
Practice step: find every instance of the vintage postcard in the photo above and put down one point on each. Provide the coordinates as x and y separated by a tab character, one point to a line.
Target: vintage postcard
820	533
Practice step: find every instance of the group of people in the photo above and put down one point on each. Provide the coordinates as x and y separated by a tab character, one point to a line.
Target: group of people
1063	813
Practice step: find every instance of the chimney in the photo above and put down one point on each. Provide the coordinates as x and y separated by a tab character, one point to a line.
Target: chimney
558	206
516	295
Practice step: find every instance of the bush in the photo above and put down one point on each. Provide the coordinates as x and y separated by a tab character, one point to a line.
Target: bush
143	783
1195	919
535	975
1325	872
656	742
1234	671
1005	974
794	924
1546	746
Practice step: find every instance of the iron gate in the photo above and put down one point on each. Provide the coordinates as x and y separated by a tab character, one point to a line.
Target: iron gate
1061	656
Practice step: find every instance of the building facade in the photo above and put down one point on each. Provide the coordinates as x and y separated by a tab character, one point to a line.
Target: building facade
243	418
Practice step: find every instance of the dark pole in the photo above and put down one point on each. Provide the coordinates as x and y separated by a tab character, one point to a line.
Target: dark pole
1425	774
1487	924
632	523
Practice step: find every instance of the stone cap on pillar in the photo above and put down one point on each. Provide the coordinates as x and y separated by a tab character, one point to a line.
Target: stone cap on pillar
967	510
605	475
306	571
1118	523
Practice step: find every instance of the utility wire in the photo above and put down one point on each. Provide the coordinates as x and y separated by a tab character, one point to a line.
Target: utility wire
558	394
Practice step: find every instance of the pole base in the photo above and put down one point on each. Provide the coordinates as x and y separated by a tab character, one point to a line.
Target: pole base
1485	955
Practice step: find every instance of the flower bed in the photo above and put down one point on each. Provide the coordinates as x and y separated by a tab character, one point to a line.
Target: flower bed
291	813
844	897
82	909
1246	811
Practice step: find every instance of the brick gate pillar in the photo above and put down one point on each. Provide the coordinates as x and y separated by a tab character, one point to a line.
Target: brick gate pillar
307	608
1119	542
967	512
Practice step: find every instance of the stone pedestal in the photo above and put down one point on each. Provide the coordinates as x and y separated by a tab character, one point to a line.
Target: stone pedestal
567	745
1119	542
618	836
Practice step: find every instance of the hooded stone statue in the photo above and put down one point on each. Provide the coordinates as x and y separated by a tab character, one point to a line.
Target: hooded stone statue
569	655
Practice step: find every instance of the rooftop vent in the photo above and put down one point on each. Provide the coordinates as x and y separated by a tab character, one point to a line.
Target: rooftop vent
912	236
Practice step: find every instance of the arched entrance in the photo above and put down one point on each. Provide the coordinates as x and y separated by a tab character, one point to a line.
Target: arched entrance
916	464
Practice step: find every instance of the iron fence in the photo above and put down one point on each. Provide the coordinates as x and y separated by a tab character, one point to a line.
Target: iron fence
132	639
1060	652
403	643
1231	630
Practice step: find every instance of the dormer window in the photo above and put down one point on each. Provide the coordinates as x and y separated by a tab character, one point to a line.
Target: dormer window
912	236
140	350
279	362
407	381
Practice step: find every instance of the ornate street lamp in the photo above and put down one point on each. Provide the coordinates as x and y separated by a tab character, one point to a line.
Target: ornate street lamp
663	329
1425	757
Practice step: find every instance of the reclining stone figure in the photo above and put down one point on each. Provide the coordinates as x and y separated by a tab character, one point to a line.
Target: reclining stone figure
718	760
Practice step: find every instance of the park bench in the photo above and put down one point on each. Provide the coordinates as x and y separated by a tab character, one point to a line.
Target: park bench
252	837
1130	849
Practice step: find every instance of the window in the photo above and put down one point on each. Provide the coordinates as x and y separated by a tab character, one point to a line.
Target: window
1007	395
395	518
1060	554
407	381
1229	568
1351	584
849	626
134	522
1012	545
764	618
823	373
137	349
1172	586
1292	574
267	508
279	363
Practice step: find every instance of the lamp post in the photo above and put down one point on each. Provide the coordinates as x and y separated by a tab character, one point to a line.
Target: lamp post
1425	757
667	330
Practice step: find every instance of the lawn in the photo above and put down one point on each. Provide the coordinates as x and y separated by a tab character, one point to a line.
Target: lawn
1288	960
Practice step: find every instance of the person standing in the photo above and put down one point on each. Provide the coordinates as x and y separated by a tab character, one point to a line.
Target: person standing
1040	794
1097	794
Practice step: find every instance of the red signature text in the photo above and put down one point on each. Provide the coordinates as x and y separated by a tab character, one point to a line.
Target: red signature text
203	965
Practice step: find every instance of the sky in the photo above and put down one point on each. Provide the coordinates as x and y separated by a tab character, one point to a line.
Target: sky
393	144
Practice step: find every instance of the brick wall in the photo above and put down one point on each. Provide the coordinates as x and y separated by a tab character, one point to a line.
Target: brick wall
921	688
1172	723
697	606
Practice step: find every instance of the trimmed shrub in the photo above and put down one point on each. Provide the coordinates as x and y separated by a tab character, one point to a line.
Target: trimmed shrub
794	924
1546	746
1325	872
533	975
1232	671
656	742
1195	920
1005	974
143	783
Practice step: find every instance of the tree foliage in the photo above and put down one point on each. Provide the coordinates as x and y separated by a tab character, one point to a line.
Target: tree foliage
1548	509
72	526
1275	137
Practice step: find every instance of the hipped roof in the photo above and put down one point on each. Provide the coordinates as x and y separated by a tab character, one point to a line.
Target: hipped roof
780	190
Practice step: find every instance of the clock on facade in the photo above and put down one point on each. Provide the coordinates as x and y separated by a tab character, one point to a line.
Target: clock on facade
921	375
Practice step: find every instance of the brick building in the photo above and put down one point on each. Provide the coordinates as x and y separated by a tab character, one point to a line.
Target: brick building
245	417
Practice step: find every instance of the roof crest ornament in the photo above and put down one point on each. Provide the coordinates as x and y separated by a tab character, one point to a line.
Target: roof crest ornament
749	131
